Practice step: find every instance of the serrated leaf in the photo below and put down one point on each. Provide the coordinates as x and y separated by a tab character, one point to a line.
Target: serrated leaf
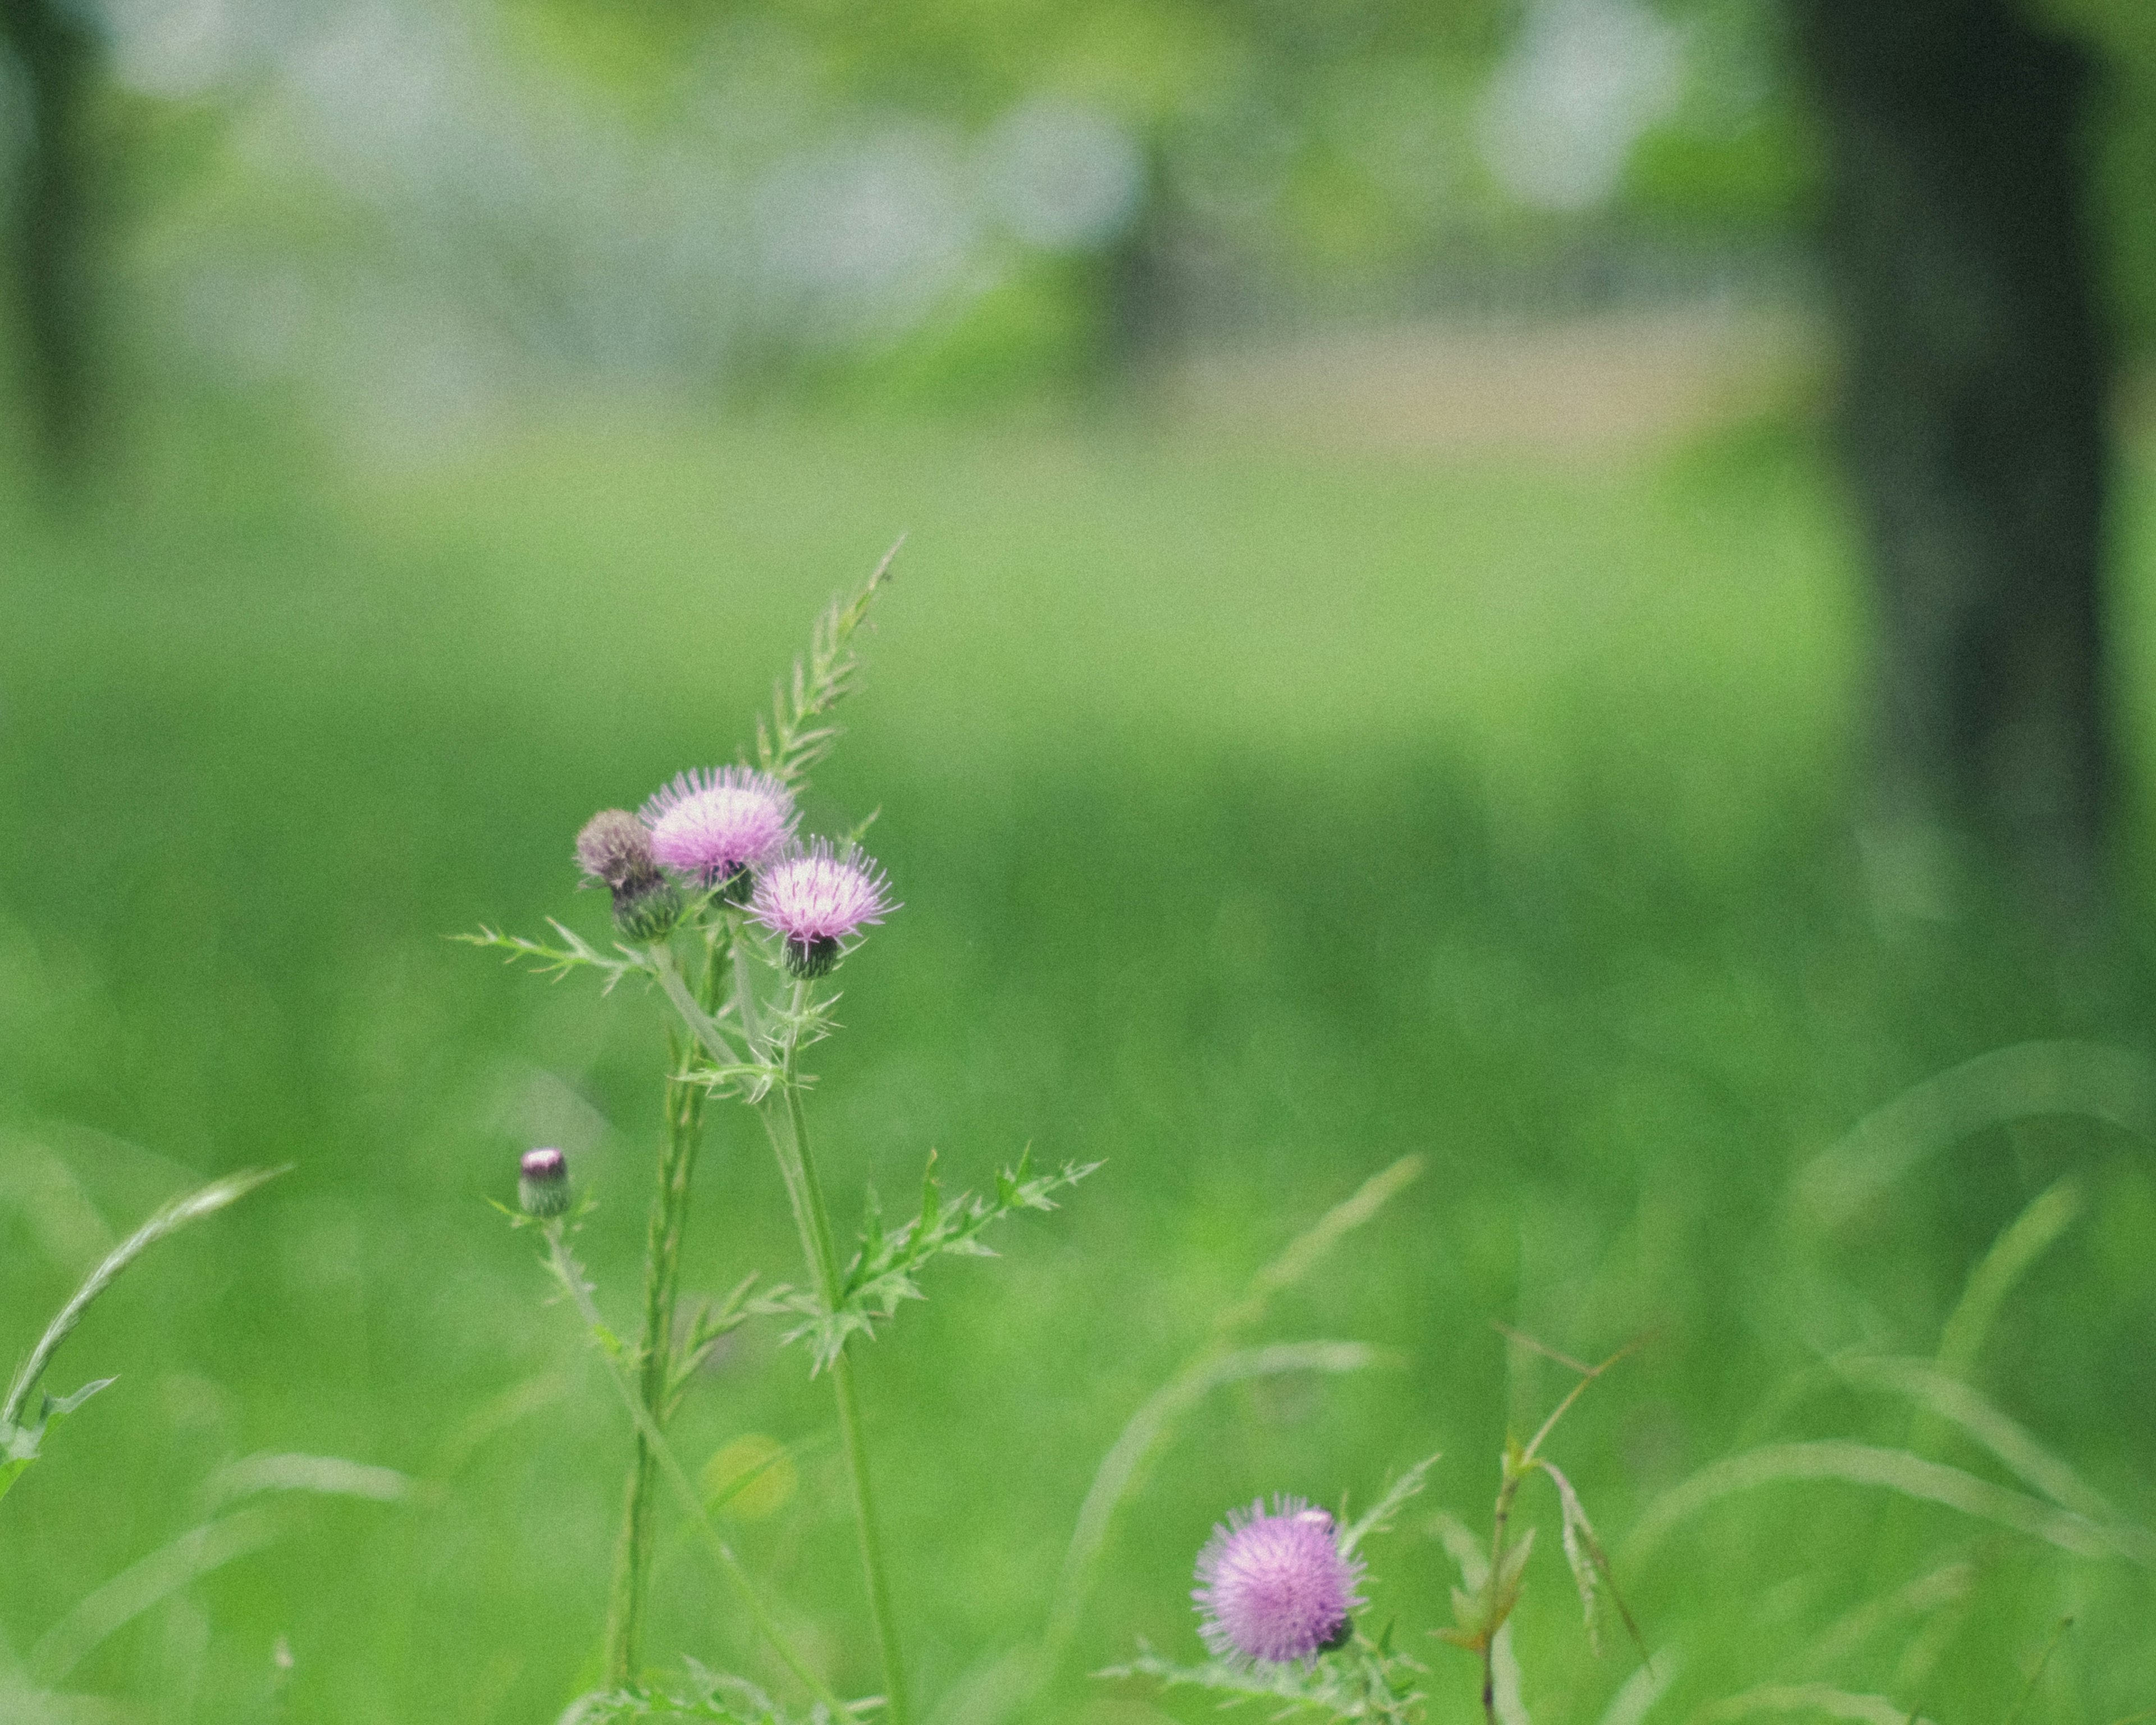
1380	1516
574	953
885	1268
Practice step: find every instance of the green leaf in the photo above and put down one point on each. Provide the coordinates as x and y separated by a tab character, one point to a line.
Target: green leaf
1380	1516
574	953
1363	1681
885	1268
1590	1562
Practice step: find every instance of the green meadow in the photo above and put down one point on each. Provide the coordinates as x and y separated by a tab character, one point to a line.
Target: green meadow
1262	816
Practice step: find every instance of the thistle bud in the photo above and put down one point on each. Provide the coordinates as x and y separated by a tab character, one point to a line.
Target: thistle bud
542	1183
614	849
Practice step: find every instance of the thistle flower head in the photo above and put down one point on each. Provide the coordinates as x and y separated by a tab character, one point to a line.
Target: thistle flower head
714	824
1276	1587
813	898
542	1183
615	848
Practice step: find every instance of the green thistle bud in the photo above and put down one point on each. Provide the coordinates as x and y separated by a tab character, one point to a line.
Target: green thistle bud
542	1183
646	911
808	959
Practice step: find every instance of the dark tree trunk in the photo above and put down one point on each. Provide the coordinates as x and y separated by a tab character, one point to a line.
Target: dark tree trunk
49	238
1975	426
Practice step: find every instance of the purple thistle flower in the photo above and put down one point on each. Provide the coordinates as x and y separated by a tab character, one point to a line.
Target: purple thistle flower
715	825
815	899
1277	1587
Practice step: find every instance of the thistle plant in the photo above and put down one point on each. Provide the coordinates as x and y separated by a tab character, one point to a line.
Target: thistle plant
1279	1612
738	926
1279	1605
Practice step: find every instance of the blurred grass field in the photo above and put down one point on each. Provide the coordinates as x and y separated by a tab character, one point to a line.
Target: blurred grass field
1262	815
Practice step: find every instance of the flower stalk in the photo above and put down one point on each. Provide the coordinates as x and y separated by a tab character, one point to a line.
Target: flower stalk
567	1271
786	1121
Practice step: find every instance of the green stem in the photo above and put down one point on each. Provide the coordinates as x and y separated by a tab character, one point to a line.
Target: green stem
567	1273
654	1358
789	1141
654	1363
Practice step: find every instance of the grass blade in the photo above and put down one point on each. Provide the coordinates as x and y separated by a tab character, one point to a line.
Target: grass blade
1954	1401
2012	1255
329	1476
2029	1079
206	1201
1888	1469
152	1579
1816	1699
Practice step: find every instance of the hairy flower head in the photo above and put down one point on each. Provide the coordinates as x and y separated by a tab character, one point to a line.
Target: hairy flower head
715	824
615	848
1276	1587
813	898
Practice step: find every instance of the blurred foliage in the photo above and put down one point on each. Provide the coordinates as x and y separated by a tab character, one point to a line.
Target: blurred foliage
946	201
1261	817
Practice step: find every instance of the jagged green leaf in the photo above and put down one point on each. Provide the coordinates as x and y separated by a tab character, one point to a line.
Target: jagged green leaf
1364	1680
1380	1516
707	1695
885	1268
574	953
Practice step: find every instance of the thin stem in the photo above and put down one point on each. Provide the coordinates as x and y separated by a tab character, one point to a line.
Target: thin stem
790	1141
665	1231
1508	1488
567	1272
654	1360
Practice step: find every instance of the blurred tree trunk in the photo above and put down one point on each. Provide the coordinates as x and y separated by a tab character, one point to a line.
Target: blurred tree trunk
1975	426
48	219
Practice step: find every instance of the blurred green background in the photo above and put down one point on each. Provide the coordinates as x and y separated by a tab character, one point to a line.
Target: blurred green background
1374	669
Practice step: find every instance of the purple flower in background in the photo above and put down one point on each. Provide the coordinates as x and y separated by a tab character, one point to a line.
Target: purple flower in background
715	825
813	898
1277	1587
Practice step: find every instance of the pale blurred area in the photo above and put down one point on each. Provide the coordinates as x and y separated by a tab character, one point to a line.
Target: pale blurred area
1566	225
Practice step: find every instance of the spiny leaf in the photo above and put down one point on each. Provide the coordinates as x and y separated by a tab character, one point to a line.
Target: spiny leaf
574	953
884	1270
1380	1516
1365	1679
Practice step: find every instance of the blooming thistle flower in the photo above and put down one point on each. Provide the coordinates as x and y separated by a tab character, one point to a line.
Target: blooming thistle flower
542	1183
815	899
1277	1587
715	825
614	849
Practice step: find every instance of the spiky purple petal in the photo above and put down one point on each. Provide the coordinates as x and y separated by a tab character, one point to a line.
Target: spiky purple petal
1277	1586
